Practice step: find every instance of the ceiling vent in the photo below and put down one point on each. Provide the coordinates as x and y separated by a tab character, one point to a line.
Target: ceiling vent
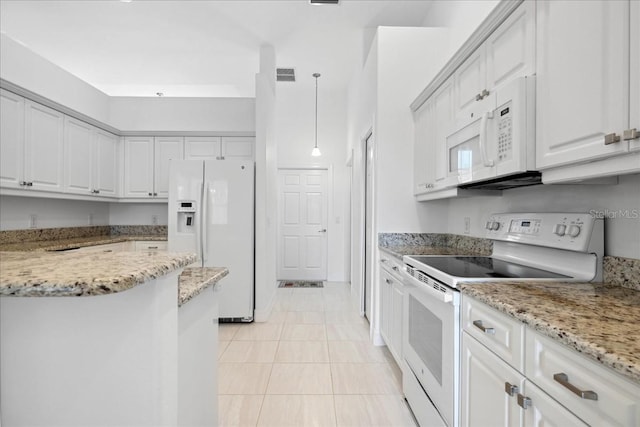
285	74
324	1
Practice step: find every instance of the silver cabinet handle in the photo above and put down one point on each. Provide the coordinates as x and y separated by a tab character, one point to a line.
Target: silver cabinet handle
383	260
630	134
563	379
484	93
26	183
155	194
611	138
152	247
324	230
510	389
523	401
151	194
478	97
395	268
388	281
478	324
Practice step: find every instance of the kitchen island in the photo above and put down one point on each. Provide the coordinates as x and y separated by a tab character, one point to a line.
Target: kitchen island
97	339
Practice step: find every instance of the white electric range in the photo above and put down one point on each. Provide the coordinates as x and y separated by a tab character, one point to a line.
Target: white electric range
527	246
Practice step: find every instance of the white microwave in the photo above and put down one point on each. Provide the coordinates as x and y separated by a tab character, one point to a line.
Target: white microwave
497	142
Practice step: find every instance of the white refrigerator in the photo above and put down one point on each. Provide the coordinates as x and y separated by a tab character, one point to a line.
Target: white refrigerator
211	213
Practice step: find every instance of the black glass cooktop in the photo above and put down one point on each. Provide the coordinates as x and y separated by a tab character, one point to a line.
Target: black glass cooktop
480	267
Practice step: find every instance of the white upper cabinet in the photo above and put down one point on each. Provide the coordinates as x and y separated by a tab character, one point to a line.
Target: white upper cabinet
138	167
237	147
507	54
510	50
165	149
105	164
202	147
78	140
634	102
582	80
219	148
146	165
44	147
443	123
11	139
424	177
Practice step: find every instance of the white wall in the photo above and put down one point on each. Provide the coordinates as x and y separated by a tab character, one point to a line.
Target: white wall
183	114
295	123
50	213
622	234
23	67
138	213
461	17
266	181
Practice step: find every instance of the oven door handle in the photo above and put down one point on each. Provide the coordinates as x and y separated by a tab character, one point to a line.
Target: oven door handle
446	296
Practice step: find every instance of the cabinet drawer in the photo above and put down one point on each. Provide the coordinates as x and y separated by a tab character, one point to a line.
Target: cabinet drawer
151	246
392	265
618	400
502	335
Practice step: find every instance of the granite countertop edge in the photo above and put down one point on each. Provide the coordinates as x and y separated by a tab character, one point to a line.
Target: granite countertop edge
194	280
77	242
399	251
56	274
592	349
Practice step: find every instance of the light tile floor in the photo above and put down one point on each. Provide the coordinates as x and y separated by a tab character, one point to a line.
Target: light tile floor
311	364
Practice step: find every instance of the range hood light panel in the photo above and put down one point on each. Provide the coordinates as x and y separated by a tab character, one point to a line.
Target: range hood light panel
322	2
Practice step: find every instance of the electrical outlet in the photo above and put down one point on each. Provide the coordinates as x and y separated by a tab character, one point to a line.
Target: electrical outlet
467	225
154	219
90	219
33	221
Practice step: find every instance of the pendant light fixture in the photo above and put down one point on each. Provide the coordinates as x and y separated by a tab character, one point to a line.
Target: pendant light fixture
316	151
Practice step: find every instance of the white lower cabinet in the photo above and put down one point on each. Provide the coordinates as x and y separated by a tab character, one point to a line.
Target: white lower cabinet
554	387
391	306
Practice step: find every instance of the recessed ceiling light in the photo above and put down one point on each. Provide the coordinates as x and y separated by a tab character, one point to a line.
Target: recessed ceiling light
126	1
322	2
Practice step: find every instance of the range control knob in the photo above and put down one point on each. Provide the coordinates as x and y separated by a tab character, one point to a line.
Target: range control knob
574	230
560	229
488	225
495	225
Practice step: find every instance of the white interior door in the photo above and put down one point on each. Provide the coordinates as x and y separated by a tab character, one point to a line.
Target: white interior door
302	224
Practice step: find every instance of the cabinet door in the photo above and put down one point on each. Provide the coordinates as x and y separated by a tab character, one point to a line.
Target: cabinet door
546	412
444	118
202	148
634	101
424	174
510	50
78	149
395	327
44	147
484	401
386	282
470	80
582	84
11	139
106	163
166	148
138	166
238	147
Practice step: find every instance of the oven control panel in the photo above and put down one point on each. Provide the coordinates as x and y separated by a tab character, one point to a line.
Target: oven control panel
572	231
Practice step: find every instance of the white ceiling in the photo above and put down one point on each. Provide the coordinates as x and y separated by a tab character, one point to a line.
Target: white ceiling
199	48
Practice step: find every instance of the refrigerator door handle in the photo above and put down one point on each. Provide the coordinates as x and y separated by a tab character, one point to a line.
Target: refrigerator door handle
205	208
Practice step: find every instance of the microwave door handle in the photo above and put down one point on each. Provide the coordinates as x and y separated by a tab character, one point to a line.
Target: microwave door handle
483	138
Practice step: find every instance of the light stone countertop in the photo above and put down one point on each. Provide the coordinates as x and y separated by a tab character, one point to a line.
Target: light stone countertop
41	273
596	320
77	242
194	280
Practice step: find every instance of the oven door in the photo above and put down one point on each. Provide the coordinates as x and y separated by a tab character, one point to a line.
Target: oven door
431	345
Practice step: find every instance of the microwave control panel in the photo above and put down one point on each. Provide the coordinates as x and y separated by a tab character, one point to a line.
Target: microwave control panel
504	117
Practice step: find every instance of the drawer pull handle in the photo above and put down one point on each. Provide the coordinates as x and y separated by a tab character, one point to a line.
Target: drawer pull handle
478	324
152	247
563	379
523	401
388	281
395	268
510	389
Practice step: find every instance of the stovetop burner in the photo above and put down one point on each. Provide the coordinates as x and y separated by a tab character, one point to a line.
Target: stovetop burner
484	267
